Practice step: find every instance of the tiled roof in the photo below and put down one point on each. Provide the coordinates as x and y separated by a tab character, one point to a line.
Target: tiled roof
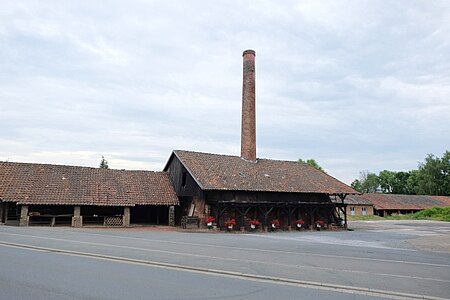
356	200
399	202
224	172
27	183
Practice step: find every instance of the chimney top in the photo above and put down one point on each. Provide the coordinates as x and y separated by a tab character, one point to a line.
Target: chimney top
249	51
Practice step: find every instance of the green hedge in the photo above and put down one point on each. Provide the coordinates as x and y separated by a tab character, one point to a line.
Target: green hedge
434	213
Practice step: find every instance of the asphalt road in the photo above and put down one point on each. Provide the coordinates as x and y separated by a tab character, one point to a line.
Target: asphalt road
67	263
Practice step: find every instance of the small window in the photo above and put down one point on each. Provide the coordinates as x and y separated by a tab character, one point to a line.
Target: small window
183	179
364	211
352	211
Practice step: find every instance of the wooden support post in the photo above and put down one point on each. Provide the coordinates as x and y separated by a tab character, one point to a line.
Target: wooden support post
157	214
289	218
240	210
217	216
266	216
345	217
222	211
312	217
3	211
344	210
264	219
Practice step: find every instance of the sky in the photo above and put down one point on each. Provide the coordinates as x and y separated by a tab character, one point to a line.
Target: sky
356	85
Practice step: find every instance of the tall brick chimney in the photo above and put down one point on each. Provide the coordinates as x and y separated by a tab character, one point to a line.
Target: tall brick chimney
248	133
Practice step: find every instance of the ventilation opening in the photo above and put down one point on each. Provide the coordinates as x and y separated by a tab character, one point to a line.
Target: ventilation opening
183	179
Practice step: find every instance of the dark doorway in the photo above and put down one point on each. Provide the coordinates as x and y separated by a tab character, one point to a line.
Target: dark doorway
150	214
12	214
4	210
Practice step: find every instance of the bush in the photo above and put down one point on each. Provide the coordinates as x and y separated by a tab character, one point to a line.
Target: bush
435	213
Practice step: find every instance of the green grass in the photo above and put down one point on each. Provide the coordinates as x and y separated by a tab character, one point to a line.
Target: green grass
400	217
364	218
434	213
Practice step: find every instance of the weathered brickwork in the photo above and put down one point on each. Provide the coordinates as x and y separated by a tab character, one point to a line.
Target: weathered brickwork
77	219
248	134
172	215
359	210
126	216
199	210
24	218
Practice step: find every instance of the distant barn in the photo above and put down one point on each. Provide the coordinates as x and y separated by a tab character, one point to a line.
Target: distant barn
388	204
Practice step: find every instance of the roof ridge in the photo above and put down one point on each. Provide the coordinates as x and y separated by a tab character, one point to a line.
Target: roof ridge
76	167
237	156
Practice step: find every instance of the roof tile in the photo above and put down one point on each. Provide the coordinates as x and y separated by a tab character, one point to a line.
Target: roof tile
225	172
399	202
27	183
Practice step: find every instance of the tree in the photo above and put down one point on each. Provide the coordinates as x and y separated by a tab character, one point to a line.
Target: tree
367	182
356	184
387	181
445	169
431	178
434	175
312	162
104	163
400	185
412	182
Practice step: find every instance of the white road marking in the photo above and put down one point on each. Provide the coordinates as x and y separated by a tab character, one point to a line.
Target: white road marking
229	274
265	262
272	251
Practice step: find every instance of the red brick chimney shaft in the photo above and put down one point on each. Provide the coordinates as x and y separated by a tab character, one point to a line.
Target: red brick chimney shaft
248	134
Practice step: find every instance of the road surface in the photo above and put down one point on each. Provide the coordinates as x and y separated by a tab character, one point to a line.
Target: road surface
376	261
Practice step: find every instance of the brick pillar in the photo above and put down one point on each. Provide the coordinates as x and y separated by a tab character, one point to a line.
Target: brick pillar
248	130
24	218
172	215
126	216
77	219
199	210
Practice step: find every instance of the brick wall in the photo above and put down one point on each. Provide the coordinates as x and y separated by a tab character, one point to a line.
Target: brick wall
359	210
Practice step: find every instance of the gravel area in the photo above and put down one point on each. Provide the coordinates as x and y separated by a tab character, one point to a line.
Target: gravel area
418	234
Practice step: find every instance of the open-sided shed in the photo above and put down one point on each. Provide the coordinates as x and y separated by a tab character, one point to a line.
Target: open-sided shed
230	187
57	194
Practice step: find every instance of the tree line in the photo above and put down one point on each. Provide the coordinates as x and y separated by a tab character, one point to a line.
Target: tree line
432	177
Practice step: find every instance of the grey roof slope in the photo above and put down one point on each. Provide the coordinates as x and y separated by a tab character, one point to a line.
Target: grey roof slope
28	183
225	172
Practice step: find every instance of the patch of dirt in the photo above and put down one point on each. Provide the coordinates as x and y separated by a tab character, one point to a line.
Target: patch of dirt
438	243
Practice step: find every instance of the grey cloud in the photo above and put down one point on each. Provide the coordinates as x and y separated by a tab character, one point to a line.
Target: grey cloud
355	84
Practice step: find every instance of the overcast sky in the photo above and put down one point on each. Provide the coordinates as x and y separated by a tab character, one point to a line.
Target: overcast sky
356	85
